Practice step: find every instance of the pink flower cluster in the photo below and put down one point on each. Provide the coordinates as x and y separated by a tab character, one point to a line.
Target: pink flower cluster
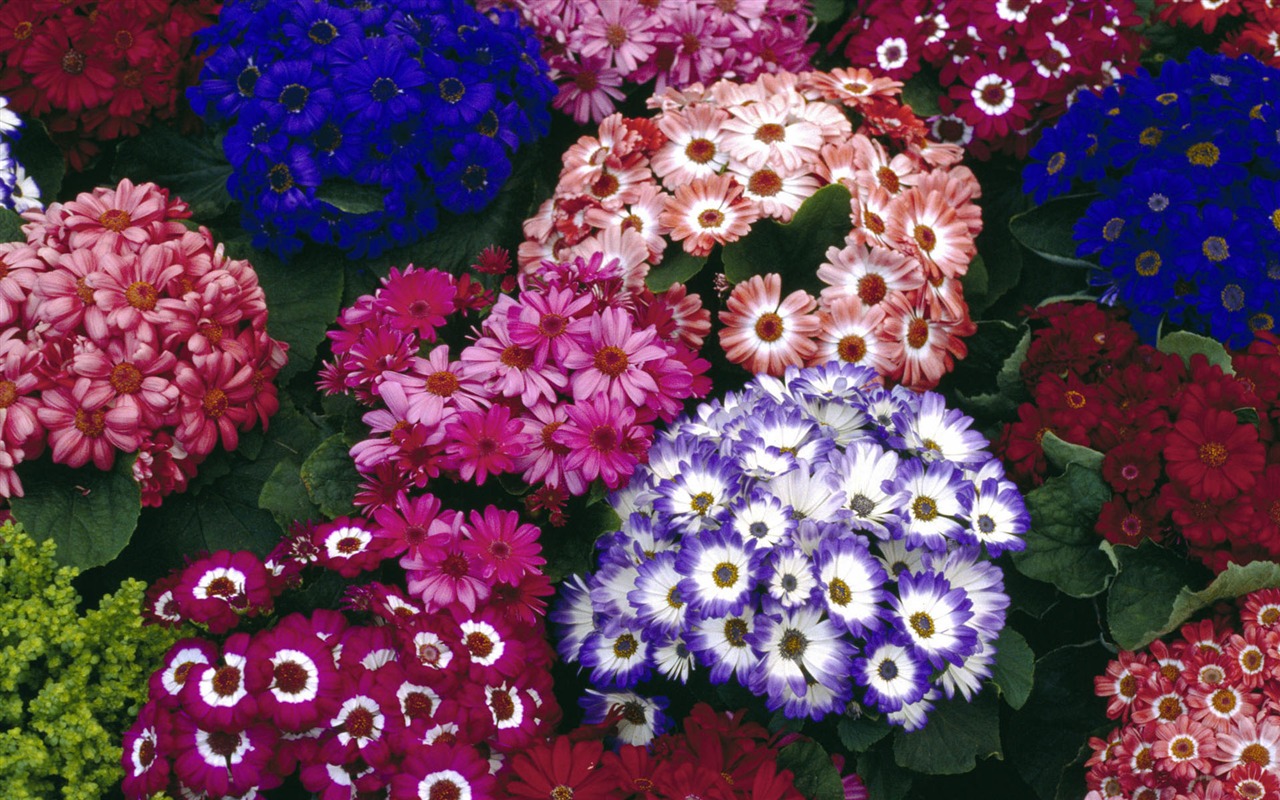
122	331
595	47
715	160
419	695
1200	717
561	384
1010	65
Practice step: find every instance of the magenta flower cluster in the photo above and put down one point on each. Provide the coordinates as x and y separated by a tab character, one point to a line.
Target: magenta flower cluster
123	331
560	385
402	691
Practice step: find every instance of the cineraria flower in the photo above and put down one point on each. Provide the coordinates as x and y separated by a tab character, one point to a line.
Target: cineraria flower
764	331
640	720
796	586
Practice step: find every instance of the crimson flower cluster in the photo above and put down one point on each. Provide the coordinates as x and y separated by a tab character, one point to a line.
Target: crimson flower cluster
99	70
714	161
1183	452
598	50
122	331
1006	66
410	695
1247	26
718	756
560	384
1199	717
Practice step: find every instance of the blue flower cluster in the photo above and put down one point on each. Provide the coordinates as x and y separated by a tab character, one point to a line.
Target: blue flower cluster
18	192
1187	168
355	124
805	536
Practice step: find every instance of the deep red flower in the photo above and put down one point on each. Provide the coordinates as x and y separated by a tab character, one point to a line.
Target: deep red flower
1132	468
547	770
1122	523
1214	455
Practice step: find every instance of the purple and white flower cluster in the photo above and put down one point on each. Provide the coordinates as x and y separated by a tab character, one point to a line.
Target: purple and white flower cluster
806	536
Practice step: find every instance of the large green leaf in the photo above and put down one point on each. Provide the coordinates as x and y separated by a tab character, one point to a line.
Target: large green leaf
797	248
677	267
330	477
1186	345
884	779
956	736
89	512
815	776
42	159
1009	379
191	166
352	197
857	735
1061	453
828	10
11	226
1141	598
1062	546
284	495
1014	670
921	93
1047	229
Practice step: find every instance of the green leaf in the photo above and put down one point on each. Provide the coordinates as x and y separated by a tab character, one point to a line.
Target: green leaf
1142	595
677	267
331	478
89	512
884	779
1185	344
352	197
794	249
815	776
42	159
303	298
1047	230
1031	597
1233	582
1062	546
857	735
956	736
11	226
1014	670
285	497
974	282
921	93
1061	453
192	167
828	10
1009	379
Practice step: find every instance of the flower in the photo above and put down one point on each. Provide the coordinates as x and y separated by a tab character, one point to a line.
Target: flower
1215	455
764	331
707	212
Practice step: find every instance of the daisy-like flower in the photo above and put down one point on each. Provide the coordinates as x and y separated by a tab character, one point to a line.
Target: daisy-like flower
619	657
931	616
486	443
658	598
639	719
763	331
292	676
445	576
505	549
215	695
708	211
928	227
146	769
118	219
797	647
932	499
673	659
894	675
721	643
792	578
778	193
998	518
692	150
347	546
699	495
935	432
603	440
1184	748
443	770
1248	741
851	581
613	358
761	517
1214	455
720	571
852	333
220	763
412	525
863	470
766	132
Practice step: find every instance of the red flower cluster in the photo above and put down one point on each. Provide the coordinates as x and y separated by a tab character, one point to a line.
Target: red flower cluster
561	383
121	331
1200	717
717	757
96	70
1248	26
418	700
1183	453
1010	66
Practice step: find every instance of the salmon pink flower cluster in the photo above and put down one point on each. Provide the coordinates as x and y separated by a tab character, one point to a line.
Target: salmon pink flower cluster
419	694
716	755
601	50
123	332
712	162
1198	717
99	70
560	384
1190	451
1006	67
820	540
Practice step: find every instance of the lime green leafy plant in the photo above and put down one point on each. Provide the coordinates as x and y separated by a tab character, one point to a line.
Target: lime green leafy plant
71	682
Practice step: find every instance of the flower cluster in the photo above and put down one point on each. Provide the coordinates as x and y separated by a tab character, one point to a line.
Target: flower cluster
122	331
1005	67
1181	456
801	537
1247	26
98	70
560	384
18	191
1197	716
714	161
599	50
1187	167
356	125
716	755
73	677
420	694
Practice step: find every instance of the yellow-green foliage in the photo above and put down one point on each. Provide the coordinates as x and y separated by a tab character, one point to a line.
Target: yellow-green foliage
70	684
